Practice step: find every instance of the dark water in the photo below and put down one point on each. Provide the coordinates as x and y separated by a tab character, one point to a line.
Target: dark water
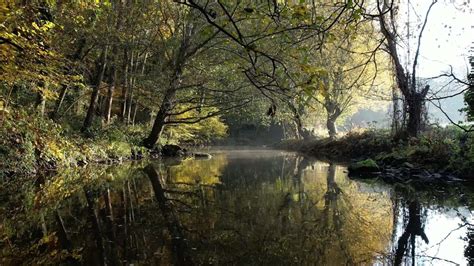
255	207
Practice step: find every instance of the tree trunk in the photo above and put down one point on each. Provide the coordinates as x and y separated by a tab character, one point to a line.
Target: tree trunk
130	86
395	112
40	103
406	82
123	111
415	107
134	113
110	99
299	132
59	102
331	126
160	119
168	101
101	66
113	70
110	91
333	112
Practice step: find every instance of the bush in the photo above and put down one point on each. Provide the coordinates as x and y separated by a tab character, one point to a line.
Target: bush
31	142
440	148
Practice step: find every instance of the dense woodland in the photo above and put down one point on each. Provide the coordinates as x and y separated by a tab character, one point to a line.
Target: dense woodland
94	94
84	81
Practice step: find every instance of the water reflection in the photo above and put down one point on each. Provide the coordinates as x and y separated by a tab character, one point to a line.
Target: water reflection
258	207
413	228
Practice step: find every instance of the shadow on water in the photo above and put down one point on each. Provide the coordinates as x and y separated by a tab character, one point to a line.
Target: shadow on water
253	207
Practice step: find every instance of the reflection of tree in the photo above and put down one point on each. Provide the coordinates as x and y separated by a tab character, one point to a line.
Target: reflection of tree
413	228
270	210
332	194
180	247
338	224
469	250
332	213
203	172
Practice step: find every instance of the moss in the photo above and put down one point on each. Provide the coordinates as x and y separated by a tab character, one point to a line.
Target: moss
366	167
367	164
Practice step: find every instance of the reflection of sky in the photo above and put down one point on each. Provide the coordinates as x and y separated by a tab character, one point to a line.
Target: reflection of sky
364	207
444	231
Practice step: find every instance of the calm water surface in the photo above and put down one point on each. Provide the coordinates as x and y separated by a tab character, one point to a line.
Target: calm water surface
241	207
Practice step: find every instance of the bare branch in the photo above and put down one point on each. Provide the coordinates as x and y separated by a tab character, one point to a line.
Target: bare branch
467	130
194	120
415	61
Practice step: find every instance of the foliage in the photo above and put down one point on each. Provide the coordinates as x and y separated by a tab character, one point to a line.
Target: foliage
441	149
469	94
205	71
202	132
367	163
355	144
31	142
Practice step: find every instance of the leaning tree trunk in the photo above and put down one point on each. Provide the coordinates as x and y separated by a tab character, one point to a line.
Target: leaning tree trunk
95	92
169	99
59	102
161	116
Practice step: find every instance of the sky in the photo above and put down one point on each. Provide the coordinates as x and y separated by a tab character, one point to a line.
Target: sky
448	37
447	41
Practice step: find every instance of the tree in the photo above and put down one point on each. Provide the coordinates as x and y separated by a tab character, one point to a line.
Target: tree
27	54
344	72
197	87
469	94
406	79
268	34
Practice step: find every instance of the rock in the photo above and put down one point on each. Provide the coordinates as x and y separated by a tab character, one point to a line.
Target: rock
172	151
82	163
365	167
437	175
136	155
202	155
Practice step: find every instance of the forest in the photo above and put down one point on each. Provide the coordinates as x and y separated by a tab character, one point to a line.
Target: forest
118	117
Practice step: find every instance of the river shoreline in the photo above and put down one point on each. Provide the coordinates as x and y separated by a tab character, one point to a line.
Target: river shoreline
370	155
165	202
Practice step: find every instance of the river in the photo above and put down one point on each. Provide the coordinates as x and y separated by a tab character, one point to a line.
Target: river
241	207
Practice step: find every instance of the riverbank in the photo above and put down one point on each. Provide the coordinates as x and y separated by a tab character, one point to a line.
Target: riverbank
31	144
440	155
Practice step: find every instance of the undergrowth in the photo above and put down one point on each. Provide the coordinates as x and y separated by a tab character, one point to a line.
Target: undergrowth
441	149
29	143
